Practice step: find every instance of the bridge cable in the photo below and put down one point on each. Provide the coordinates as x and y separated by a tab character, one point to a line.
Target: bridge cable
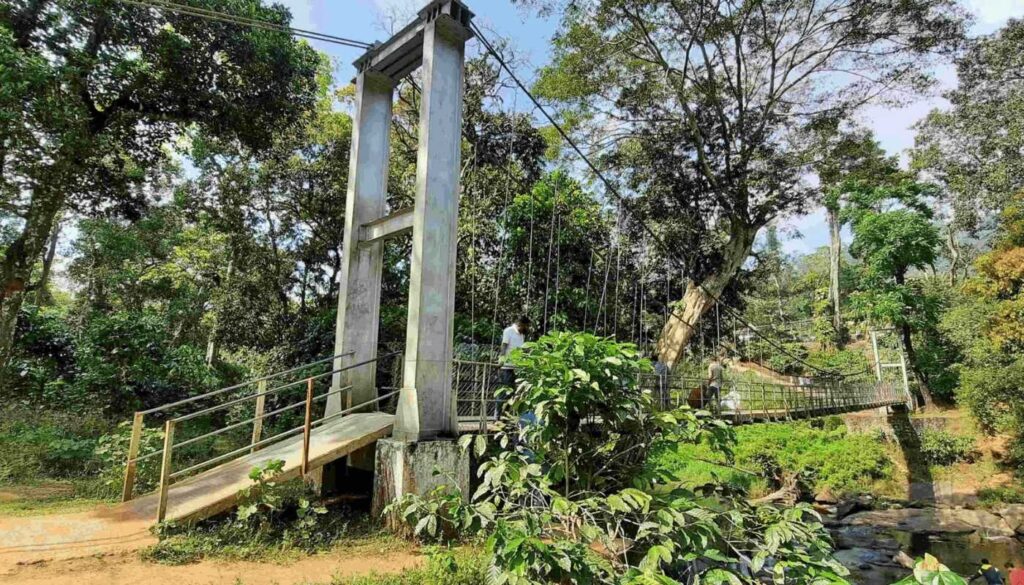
615	192
218	16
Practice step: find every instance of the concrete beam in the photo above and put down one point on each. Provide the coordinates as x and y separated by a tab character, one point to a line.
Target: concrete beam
403	53
391	225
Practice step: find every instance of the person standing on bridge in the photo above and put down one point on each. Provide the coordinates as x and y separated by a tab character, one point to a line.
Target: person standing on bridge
716	379
512	338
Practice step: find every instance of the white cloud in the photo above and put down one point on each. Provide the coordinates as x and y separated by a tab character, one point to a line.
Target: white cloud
995	12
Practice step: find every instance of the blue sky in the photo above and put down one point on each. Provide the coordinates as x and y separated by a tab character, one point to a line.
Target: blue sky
366	20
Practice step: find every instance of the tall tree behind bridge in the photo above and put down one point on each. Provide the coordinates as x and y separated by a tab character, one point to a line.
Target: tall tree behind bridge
850	157
705	106
104	86
975	149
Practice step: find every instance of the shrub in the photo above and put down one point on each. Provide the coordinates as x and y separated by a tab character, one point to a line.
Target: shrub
570	498
112	452
37	445
829	456
271	516
944	448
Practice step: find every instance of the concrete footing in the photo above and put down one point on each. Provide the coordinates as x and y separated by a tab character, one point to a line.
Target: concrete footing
416	467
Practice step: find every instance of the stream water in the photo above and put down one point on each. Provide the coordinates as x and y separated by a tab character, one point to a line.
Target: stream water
962	554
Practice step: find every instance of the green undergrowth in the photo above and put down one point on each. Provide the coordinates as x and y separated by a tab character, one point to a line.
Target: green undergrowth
273	521
830	456
458	566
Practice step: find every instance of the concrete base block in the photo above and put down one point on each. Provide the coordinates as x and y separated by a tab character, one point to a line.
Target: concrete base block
416	468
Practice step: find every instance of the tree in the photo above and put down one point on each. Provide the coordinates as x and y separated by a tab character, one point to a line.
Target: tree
104	86
976	148
893	233
705	107
848	156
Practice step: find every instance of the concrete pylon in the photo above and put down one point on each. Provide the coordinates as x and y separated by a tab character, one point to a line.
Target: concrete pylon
424	424
361	264
424	410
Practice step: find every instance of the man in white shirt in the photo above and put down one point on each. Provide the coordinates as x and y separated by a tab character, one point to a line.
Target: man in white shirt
513	337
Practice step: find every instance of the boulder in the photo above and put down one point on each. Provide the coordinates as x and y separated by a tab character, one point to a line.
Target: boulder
850	537
933	521
1013	516
825	496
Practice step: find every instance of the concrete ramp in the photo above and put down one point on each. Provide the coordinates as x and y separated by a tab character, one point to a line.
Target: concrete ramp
125	526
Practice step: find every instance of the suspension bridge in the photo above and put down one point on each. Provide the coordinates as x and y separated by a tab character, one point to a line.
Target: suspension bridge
394	415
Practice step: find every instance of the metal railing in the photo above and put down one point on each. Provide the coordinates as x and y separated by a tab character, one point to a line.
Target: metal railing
168	475
476	401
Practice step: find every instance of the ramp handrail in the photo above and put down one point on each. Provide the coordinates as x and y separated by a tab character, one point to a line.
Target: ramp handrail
257	420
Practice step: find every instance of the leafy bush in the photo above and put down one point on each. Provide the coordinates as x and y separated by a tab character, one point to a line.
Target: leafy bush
271	516
570	497
929	571
944	448
829	456
112	451
37	445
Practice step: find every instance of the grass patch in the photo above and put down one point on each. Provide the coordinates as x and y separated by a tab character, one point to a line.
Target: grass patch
1007	494
463	566
841	461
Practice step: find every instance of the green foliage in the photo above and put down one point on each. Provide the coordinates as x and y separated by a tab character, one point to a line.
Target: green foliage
944	448
929	571
1008	494
570	497
444	567
827	454
271	517
38	445
112	451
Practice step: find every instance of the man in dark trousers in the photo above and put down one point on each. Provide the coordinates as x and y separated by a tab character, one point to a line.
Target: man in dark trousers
989	572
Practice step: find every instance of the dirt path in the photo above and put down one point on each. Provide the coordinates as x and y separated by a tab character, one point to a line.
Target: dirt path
129	569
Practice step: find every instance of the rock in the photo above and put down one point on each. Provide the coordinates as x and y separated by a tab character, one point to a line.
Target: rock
850	537
863	558
1013	515
858	504
904	560
825	496
933	521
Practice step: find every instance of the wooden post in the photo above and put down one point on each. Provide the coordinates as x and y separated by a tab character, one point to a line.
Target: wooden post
261	404
165	471
131	465
307	426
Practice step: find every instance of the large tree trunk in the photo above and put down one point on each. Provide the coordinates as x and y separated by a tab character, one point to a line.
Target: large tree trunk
44	278
700	297
835	254
954	254
908	346
922	379
19	260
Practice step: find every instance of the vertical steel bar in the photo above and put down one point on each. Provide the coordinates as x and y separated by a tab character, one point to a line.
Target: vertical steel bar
128	488
261	403
307	426
165	471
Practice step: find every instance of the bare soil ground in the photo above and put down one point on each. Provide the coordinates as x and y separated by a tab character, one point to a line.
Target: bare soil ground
129	569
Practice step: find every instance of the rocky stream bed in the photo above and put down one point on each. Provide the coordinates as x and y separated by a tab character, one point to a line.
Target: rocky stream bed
871	534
